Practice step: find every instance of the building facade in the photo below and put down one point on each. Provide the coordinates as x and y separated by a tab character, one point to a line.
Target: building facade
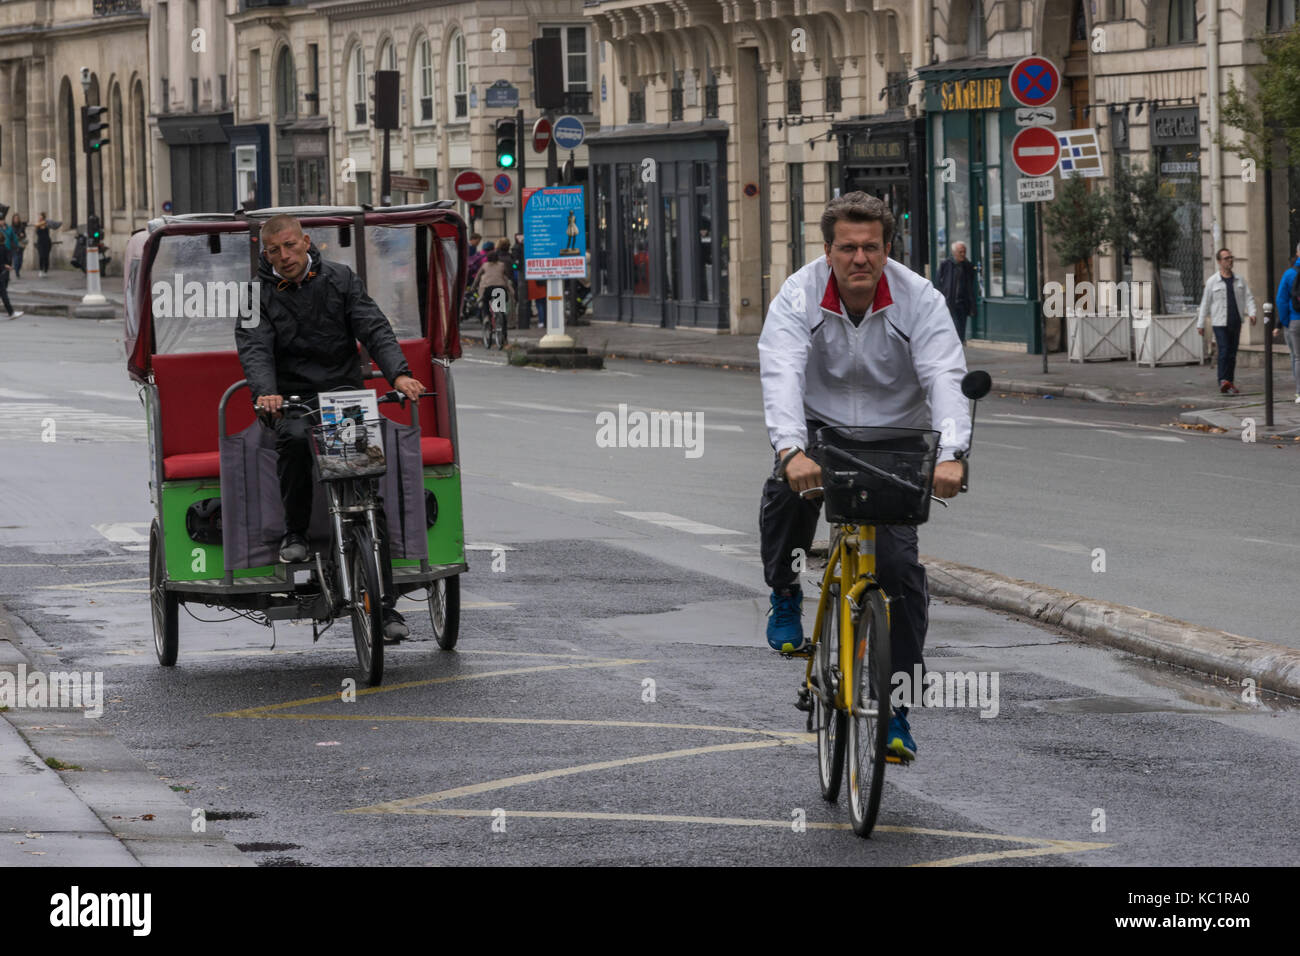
760	113
55	57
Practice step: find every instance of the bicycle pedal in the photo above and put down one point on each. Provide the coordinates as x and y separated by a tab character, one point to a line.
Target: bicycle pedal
804	702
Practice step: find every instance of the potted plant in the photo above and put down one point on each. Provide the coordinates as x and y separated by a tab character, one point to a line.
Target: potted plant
1078	224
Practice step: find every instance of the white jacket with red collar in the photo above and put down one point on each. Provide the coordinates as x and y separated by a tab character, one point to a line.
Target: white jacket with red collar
902	366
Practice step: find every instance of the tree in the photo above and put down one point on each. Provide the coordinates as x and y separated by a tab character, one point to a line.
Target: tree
1275	111
1143	218
1077	223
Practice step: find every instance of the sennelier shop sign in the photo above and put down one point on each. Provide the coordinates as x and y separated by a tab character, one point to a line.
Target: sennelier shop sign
977	94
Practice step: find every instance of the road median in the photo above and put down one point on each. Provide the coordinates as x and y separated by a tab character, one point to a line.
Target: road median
1272	667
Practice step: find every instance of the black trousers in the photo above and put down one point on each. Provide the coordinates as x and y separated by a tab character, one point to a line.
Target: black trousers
787	522
4	290
44	253
296	489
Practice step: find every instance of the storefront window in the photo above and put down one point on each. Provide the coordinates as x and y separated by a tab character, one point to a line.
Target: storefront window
670	247
601	251
996	269
1180	178
704	285
957	193
635	233
1014	213
940	219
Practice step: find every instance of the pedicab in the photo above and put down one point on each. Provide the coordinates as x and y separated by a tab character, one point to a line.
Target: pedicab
218	519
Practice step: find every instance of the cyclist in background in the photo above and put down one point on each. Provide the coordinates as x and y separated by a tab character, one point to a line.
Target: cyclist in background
855	338
495	273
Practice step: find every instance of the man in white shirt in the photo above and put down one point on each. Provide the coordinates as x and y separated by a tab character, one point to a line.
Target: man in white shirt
1227	298
856	338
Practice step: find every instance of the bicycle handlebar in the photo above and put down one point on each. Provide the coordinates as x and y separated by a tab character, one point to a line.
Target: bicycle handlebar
872	469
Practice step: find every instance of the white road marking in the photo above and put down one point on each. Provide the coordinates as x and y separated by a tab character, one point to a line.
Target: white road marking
88	585
1277	544
677	523
1102	425
1258	481
1066	454
1111	431
477	408
24	396
569	494
127	534
723	428
487	546
24	421
547	408
115	396
998	444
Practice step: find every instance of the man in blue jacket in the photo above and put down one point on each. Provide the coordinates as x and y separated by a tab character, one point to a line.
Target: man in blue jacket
1288	317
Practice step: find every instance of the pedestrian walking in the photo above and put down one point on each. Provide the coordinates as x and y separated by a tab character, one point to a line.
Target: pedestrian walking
1288	316
5	269
957	283
16	240
1226	299
43	245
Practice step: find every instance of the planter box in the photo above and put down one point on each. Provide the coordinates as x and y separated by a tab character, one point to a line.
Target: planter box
1098	338
1168	340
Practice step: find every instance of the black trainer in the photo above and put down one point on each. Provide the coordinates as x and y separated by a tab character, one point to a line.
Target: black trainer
293	547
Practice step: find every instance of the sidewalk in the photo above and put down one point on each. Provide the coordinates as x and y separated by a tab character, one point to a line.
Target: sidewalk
58	292
1190	391
72	795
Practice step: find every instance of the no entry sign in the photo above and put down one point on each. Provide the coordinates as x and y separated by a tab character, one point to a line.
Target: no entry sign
1035	151
468	186
1035	81
541	134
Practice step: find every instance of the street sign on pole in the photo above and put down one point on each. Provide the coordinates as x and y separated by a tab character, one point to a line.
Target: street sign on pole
1035	115
1035	151
468	186
1041	189
541	134
1035	81
503	190
569	132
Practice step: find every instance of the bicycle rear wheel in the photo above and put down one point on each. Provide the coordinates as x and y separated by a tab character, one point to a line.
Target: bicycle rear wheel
869	727
367	606
487	332
830	722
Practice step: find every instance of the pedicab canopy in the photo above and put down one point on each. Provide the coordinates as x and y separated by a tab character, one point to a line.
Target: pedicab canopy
189	278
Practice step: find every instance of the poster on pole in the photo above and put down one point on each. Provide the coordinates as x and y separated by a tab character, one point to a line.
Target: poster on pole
555	233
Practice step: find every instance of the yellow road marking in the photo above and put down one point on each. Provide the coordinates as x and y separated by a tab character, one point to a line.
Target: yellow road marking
479	605
265	709
792	735
404	805
585	657
90	584
1042	847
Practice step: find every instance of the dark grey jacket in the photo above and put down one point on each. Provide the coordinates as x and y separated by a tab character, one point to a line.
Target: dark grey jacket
957	283
305	339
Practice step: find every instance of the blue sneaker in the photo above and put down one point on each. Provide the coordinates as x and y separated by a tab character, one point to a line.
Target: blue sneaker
785	623
900	742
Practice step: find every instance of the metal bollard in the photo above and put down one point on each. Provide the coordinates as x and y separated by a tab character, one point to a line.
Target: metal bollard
1268	364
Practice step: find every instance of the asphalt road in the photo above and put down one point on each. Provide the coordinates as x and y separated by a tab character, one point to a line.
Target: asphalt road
611	699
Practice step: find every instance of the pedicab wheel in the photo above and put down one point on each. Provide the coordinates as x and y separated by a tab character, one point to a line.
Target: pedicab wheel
367	607
165	604
869	727
829	721
444	610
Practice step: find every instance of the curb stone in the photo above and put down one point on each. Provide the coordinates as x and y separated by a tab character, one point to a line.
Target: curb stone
1217	653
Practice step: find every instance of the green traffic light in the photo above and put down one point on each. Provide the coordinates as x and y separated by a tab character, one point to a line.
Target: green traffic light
506	160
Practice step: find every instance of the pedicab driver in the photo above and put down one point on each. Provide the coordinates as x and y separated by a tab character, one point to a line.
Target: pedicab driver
856	338
305	342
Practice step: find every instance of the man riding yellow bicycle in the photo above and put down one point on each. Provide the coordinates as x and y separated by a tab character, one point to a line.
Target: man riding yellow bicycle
855	338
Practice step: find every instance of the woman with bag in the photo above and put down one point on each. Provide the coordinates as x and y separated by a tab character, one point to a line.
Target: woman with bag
16	240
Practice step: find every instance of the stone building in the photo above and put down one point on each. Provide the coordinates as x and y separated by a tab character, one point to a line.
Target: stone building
305	80
754	115
44	47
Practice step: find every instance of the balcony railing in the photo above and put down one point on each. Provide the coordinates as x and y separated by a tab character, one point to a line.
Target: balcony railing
577	102
711	101
108	8
675	100
636	107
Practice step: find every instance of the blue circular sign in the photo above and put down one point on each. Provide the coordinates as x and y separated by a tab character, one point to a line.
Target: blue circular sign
568	132
502	183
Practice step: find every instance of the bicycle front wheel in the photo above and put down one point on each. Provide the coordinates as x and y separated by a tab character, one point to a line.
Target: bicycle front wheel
487	333
367	606
869	726
830	722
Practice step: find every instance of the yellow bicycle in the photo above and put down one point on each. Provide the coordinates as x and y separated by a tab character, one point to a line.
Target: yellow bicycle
870	476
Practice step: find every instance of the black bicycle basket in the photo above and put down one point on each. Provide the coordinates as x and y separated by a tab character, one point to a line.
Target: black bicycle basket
857	496
352	448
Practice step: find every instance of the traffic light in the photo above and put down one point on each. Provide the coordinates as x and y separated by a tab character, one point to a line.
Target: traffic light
93	128
506	133
94	231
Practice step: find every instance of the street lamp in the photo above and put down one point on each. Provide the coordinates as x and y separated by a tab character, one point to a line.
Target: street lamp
94	300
